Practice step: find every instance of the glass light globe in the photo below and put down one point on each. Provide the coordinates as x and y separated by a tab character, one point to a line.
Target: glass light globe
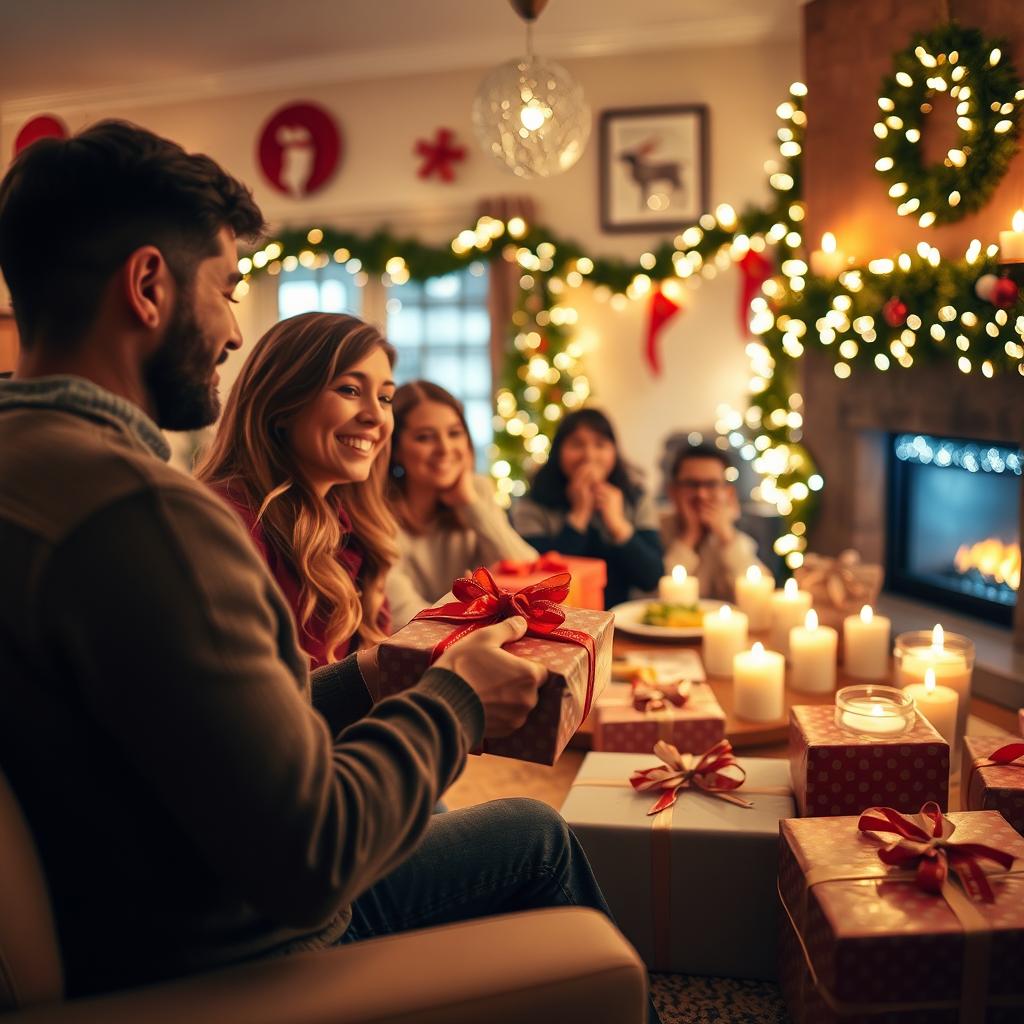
532	116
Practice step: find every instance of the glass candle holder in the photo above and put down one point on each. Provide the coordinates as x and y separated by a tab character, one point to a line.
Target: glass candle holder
950	656
870	710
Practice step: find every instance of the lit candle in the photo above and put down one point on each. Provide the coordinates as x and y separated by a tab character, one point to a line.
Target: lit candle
725	634
866	644
951	669
1011	243
789	608
938	704
872	717
812	651
754	596
678	588
759	688
828	261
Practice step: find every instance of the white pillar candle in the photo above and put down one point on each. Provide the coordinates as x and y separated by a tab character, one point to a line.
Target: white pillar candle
828	261
759	687
938	704
725	634
754	597
866	644
951	669
1011	243
678	588
812	652
790	606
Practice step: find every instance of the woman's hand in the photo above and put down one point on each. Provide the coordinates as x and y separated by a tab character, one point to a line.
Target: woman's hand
461	493
580	494
611	506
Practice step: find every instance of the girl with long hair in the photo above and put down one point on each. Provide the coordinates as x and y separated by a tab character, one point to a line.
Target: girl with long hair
449	520
585	501
301	453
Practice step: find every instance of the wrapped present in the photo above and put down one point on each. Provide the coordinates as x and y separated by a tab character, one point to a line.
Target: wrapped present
586	588
839	586
632	718
993	777
887	918
573	644
692	885
839	772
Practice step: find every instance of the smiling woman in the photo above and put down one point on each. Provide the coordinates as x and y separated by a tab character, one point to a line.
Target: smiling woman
301	454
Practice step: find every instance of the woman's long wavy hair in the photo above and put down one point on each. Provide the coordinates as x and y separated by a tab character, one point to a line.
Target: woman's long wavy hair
289	366
408	397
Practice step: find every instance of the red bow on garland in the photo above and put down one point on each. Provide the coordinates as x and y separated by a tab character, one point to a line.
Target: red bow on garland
926	846
550	561
715	772
482	602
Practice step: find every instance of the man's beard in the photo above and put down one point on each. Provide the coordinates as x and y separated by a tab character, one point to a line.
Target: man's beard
179	375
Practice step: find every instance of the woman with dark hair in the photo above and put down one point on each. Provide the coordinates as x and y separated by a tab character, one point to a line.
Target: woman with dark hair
584	501
448	518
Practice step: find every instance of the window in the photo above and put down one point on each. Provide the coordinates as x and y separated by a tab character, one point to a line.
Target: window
442	330
330	289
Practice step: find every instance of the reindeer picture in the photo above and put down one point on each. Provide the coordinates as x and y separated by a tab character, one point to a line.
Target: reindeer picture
654	173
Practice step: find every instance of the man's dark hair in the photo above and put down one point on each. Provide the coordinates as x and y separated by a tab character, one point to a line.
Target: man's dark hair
699	451
73	210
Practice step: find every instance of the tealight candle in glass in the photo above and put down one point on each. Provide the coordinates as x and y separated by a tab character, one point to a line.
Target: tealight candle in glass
871	710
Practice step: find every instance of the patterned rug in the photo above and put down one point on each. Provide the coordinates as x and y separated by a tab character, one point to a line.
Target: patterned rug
684	1000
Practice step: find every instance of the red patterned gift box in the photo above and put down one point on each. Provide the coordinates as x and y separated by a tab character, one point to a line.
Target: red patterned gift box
577	670
993	777
861	941
839	772
619	725
589	576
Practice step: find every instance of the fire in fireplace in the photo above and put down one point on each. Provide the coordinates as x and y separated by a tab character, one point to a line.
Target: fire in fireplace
954	523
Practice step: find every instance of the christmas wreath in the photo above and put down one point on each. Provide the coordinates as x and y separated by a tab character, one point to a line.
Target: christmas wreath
980	79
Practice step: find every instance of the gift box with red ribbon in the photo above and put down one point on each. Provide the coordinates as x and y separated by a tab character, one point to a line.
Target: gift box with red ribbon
690	880
573	644
636	716
835	771
909	918
586	589
839	586
993	777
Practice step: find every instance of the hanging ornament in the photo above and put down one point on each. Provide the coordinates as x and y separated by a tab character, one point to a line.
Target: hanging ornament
755	270
530	113
894	312
1005	293
985	287
439	155
661	311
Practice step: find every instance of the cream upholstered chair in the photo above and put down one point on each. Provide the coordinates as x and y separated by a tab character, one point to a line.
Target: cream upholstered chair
545	966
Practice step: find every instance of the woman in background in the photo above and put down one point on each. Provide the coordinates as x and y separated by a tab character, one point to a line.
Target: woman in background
450	522
301	453
584	502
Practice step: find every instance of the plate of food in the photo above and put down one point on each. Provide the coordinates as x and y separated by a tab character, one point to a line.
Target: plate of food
662	620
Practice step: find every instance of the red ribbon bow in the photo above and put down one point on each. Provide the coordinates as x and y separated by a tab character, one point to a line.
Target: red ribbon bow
482	602
714	772
927	848
550	561
1011	754
649	695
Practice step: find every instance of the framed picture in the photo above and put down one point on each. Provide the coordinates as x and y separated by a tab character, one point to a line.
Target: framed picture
654	167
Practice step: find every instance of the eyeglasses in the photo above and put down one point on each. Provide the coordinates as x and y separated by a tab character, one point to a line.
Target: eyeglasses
699	485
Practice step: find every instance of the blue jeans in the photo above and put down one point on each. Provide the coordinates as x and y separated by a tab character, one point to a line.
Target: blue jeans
493	858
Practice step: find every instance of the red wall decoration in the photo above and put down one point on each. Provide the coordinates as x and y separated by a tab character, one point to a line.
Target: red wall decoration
299	149
45	126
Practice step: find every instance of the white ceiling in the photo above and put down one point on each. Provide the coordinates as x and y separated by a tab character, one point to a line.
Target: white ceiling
55	50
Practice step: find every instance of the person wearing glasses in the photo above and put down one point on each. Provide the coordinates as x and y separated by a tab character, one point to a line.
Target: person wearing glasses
700	532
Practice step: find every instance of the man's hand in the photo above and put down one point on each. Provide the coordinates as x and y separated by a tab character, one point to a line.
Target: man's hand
505	683
719	517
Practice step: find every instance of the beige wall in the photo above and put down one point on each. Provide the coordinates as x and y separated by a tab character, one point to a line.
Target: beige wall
377	184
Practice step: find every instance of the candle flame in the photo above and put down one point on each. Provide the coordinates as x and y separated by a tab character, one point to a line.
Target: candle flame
938	638
679	573
877	710
758	649
790	587
811	620
828	242
866	614
929	680
754	573
725	612
1018	221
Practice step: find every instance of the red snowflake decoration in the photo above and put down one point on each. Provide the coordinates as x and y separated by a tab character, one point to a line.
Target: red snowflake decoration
439	155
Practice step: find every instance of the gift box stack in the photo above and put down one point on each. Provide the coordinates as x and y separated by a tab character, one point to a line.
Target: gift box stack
839	586
586	588
576	650
993	777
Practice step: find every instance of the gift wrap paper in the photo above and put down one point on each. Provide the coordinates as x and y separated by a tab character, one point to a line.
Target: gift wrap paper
404	657
879	946
696	726
715	865
992	787
589	577
835	771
